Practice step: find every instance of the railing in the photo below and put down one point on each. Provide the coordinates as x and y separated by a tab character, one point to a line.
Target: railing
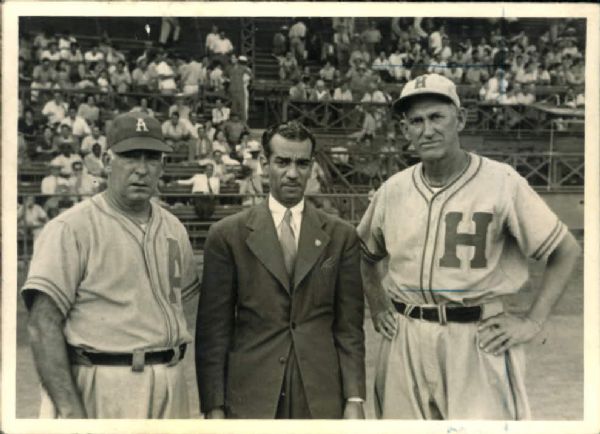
351	207
548	171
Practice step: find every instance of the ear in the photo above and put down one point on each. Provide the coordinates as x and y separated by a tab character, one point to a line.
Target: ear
461	118
404	128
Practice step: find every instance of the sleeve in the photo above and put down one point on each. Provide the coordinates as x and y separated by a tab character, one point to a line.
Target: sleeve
348	326
190	282
533	224
56	267
215	319
370	229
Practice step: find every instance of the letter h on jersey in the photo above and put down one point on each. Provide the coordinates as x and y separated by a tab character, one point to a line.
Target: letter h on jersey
453	239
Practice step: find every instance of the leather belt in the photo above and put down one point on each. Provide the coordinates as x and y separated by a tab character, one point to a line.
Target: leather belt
441	313
81	357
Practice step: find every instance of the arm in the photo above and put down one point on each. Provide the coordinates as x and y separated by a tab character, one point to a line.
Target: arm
214	323
45	328
348	327
380	305
499	333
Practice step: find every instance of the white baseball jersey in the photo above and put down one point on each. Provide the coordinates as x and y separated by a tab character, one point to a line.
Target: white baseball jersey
464	244
119	287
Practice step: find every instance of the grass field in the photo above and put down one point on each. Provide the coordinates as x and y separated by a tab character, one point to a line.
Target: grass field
555	357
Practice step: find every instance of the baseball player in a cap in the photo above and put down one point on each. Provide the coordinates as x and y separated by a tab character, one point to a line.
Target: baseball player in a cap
105	290
456	231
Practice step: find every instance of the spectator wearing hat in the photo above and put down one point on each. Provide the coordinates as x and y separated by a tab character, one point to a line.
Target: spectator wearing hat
175	132
220	113
96	137
93	161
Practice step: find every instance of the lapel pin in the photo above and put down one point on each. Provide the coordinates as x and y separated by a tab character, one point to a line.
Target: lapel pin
317	243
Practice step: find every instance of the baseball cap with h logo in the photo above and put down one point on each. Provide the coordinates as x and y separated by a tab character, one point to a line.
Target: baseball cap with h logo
432	84
136	130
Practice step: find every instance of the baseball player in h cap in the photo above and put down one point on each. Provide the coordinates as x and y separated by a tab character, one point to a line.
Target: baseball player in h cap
456	231
105	290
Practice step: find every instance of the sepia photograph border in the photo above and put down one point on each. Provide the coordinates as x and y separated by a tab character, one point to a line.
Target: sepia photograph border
12	10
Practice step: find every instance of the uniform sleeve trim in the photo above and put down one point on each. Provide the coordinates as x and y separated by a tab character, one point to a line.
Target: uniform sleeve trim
370	257
41	284
191	290
551	241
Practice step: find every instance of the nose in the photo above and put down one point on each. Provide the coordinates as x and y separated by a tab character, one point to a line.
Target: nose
292	172
141	165
428	129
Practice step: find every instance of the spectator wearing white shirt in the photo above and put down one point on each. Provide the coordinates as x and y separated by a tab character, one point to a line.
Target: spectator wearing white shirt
73	55
320	92
222	49
79	126
175	132
435	40
142	78
166	75
93	56
52	53
120	79
342	93
64	44
193	75
327	72
81	182
216	78
53	181
297	36
211	38
446	51
89	141
220	113
65	159
437	65
56	109
204	183
396	65
381	65
454	73
143	107
528	95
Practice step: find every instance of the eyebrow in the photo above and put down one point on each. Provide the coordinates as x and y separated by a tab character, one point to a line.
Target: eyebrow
290	159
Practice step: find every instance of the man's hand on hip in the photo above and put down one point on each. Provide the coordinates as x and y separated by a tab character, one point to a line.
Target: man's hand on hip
385	323
501	332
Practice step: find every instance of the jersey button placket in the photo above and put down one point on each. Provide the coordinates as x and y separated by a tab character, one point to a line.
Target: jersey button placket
435	205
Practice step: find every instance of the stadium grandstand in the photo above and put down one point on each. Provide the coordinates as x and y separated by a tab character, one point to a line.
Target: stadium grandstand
216	83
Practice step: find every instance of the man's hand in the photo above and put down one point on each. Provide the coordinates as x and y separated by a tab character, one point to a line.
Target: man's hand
501	332
354	410
216	413
385	323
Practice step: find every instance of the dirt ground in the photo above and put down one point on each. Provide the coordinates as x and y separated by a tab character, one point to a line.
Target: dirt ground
555	357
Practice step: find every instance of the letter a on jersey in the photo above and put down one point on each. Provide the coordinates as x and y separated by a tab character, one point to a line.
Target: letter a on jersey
453	239
141	126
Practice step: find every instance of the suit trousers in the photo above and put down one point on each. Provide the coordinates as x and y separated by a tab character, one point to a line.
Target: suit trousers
292	399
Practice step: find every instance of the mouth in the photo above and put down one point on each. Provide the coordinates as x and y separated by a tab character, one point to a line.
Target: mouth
139	185
291	186
428	145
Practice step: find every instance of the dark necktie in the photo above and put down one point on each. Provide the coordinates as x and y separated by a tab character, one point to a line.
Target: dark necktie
288	243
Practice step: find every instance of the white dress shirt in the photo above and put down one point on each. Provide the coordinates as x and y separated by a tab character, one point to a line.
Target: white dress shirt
278	211
200	183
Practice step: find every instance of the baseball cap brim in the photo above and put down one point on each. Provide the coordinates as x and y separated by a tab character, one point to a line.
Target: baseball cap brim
401	104
135	143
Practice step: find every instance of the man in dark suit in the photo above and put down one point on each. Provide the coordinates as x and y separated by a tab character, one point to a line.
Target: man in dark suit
279	332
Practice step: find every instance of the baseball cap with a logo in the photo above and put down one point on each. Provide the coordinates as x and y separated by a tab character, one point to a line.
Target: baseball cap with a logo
136	130
427	84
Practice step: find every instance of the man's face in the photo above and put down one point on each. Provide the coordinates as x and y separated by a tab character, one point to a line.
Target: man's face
95	132
209	170
133	175
432	126
72	113
174	119
290	164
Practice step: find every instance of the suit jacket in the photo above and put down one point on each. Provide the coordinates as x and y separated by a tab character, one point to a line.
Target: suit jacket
250	315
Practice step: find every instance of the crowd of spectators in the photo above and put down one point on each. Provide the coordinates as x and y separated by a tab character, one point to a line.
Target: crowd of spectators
64	117
360	60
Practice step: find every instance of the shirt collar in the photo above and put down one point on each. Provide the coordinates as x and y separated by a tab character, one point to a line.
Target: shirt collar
278	210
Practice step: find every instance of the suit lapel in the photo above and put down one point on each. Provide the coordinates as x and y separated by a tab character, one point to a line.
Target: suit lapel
263	242
313	240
